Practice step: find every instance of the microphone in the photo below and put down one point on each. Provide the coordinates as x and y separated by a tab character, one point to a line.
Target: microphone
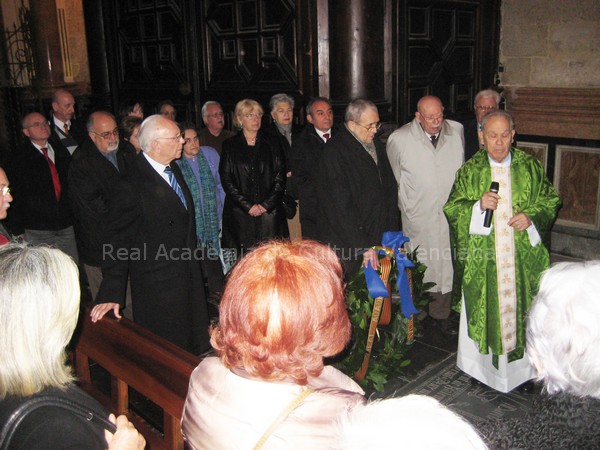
487	221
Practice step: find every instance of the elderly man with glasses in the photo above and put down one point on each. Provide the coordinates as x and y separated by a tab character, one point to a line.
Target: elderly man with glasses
355	189
425	155
214	133
97	165
38	173
151	233
485	101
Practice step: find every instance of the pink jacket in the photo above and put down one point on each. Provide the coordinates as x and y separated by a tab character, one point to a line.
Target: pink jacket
224	410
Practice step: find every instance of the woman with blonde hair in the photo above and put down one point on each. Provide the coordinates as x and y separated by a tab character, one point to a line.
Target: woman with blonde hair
283	310
39	308
252	170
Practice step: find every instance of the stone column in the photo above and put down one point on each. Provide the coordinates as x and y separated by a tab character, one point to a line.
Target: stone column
46	43
356	51
93	13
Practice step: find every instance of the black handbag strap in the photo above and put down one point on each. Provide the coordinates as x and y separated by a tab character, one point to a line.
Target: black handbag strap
32	404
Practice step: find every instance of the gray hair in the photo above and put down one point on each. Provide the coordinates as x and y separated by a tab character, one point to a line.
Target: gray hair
204	110
39	288
563	329
498	113
314	100
356	108
359	428
280	98
149	131
487	93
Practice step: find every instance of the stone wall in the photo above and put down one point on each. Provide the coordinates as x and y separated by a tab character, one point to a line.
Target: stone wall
550	50
550	43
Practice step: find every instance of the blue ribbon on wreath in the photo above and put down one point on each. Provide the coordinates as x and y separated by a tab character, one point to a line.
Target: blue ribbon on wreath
393	240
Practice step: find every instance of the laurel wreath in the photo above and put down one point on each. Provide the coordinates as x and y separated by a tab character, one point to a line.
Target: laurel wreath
388	356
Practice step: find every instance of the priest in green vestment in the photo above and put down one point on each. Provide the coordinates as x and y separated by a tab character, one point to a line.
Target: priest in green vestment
497	268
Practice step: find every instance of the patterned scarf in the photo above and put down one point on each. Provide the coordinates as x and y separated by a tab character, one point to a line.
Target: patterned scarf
207	218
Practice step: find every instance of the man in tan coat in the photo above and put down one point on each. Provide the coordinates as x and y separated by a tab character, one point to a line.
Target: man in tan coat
425	155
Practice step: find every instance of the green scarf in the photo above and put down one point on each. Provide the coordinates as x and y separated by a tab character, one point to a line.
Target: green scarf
207	218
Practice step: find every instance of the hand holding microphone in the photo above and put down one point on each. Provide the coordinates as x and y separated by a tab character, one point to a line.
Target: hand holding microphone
489	202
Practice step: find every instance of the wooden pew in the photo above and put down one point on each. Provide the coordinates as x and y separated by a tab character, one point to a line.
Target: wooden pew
136	357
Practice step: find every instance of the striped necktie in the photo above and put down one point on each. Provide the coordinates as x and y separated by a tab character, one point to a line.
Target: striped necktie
175	185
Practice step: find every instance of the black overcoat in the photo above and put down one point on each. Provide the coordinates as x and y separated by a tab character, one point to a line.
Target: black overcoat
156	236
357	199
92	181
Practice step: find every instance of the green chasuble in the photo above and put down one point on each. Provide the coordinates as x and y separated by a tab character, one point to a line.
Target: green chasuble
474	256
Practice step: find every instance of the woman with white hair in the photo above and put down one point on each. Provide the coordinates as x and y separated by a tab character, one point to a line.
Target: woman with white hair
405	423
563	339
39	307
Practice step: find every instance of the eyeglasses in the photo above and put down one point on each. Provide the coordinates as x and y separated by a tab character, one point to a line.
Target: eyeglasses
38	125
486	108
216	115
195	139
107	134
253	116
5	190
174	138
372	126
433	118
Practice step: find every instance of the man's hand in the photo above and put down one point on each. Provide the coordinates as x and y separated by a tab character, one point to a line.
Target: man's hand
126	437
520	222
99	311
371	256
489	200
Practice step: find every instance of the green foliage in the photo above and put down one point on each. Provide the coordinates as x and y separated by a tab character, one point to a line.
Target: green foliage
390	343
419	289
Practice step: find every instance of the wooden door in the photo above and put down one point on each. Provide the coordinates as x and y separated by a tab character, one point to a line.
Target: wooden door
444	48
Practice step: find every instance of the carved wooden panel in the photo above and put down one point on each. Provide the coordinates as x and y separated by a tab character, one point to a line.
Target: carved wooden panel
151	42
150	56
441	49
250	46
445	48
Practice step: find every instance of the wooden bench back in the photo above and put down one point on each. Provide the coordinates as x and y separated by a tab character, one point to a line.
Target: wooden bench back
136	357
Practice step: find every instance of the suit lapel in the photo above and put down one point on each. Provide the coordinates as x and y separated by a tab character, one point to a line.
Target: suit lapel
154	181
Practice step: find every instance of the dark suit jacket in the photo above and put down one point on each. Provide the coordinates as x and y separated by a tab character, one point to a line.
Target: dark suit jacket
471	138
77	131
34	205
307	148
156	236
357	199
92	180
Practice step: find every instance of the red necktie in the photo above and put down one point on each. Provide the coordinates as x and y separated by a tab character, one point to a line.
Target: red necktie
66	127
326	136
54	173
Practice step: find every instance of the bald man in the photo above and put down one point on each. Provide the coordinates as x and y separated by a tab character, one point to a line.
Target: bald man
425	155
62	123
97	165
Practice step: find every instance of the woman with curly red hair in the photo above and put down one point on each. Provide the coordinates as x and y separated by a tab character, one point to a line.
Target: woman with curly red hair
283	310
